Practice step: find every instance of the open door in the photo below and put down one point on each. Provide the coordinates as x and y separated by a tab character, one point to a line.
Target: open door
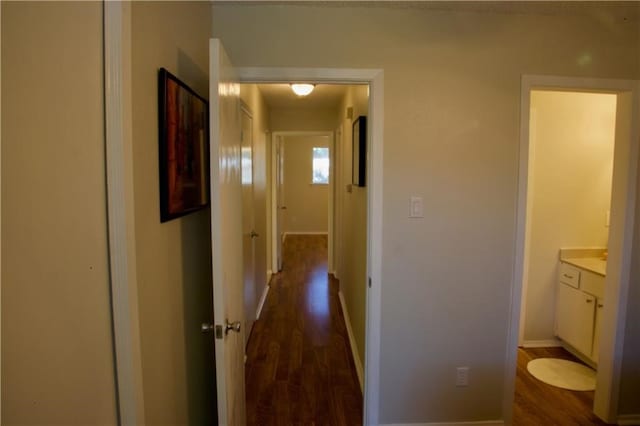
249	234
226	235
280	202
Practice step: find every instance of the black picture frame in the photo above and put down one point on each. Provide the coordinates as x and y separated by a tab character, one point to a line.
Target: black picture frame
183	122
359	152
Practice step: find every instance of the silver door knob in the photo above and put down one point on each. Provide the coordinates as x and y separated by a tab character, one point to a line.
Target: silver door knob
231	326
207	327
254	234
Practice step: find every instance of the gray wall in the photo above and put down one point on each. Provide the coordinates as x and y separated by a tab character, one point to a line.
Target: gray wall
451	110
57	354
173	258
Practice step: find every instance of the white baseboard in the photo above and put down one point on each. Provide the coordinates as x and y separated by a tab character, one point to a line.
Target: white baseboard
352	342
263	298
480	423
551	343
629	419
269	275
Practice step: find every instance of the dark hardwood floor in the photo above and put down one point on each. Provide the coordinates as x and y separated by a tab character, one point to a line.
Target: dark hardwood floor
299	367
537	403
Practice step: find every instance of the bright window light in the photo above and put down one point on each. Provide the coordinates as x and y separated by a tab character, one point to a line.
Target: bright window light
320	165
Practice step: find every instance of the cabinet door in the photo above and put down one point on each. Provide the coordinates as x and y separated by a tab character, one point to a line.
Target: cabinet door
575	312
596	332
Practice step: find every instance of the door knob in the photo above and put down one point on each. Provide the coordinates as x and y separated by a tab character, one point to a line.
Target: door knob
207	327
231	326
254	234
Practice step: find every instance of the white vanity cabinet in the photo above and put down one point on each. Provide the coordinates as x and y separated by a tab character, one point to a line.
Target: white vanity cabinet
579	309
596	331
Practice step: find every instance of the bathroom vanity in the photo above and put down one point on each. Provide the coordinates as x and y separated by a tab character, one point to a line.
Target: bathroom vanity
580	300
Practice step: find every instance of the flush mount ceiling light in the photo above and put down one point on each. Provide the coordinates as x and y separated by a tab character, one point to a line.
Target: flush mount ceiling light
302	89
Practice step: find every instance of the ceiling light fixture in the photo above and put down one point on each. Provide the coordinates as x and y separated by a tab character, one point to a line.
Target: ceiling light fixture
302	89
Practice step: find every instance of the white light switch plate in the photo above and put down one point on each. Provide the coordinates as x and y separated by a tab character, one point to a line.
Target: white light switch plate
416	208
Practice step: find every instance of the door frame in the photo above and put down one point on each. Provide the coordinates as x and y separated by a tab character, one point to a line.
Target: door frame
375	128
120	213
274	199
616	292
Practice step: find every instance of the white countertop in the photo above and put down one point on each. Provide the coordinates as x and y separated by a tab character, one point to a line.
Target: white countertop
593	264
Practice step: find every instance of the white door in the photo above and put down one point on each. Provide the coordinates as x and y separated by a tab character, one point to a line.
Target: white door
248	225
281	206
226	234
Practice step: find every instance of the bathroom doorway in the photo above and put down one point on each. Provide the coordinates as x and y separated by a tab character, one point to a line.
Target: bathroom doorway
576	198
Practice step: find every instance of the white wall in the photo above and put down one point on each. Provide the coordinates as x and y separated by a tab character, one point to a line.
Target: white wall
57	351
307	203
452	75
173	258
352	238
572	140
302	119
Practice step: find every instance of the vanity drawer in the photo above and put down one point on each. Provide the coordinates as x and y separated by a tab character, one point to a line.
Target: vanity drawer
569	275
592	283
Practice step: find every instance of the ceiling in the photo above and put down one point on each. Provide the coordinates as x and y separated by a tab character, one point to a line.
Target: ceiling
323	96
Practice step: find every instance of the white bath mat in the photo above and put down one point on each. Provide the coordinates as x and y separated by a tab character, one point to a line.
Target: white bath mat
563	374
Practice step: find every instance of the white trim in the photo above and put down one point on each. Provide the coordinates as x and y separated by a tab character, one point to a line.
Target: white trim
263	299
629	419
551	343
483	423
352	340
611	349
375	79
120	211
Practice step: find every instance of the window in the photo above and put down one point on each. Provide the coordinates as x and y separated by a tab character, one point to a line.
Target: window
320	165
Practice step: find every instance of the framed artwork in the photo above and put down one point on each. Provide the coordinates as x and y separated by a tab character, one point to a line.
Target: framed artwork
359	151
184	148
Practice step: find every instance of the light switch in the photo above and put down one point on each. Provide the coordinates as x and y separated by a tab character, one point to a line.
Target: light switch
416	207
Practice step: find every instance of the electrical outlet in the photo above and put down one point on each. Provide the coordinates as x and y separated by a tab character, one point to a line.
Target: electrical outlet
462	376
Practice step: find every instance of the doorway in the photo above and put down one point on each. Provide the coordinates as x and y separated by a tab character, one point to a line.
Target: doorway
373	196
606	352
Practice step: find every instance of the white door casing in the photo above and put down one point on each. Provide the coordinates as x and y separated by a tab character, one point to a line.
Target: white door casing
226	233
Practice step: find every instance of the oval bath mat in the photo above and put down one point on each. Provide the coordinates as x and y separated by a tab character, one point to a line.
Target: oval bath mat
563	374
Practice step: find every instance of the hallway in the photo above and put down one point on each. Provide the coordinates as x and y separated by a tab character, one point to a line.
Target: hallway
299	368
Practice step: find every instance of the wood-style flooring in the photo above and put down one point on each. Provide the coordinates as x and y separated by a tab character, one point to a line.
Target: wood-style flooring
299	368
537	403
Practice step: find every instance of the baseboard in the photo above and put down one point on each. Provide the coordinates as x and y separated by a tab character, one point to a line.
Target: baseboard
263	298
551	343
629	419
352	342
269	275
480	423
